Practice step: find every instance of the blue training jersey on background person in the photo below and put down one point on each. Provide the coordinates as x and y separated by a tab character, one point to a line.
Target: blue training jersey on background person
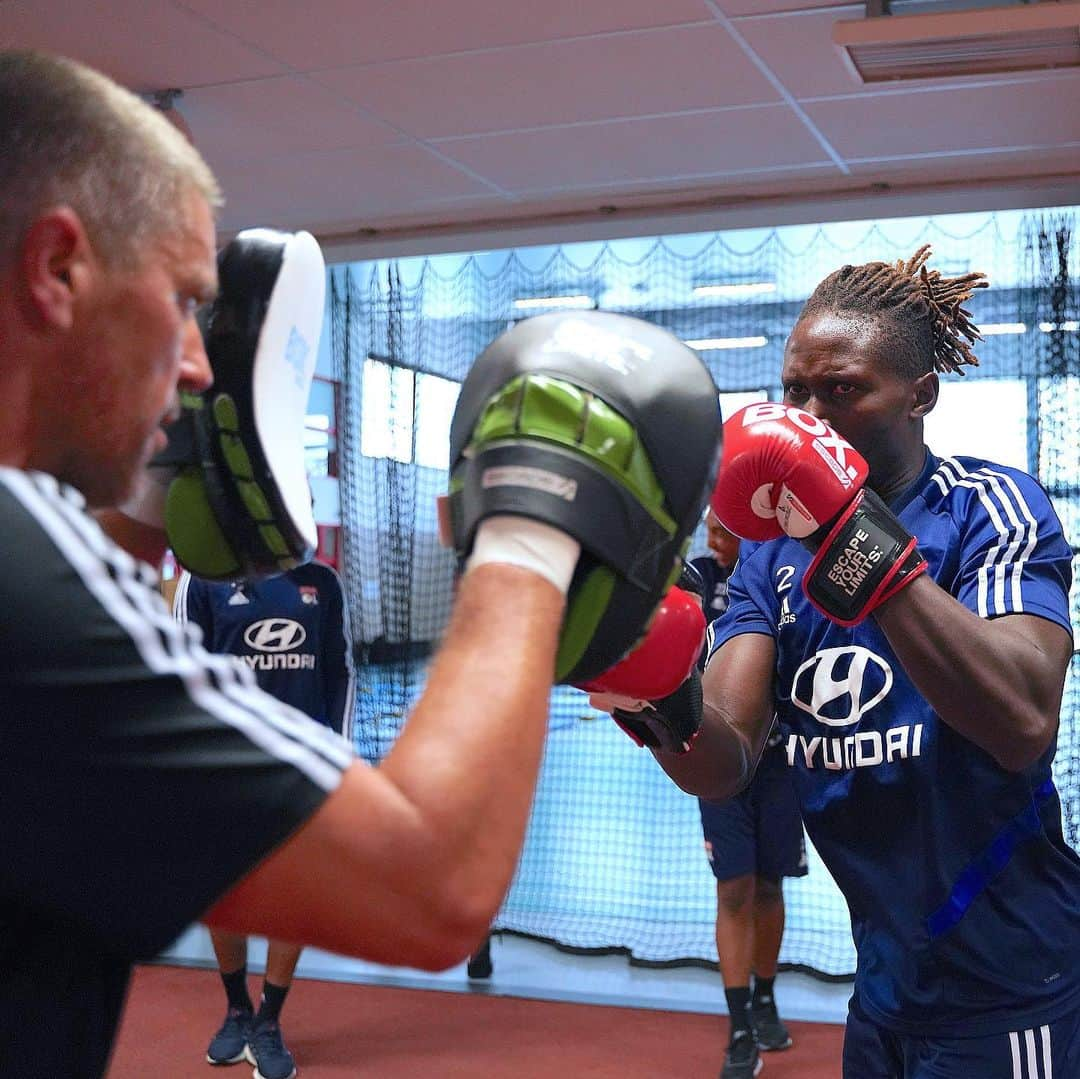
716	577
291	630
964	896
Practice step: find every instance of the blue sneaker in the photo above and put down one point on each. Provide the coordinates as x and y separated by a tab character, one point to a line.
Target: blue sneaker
769	1030
742	1060
267	1052
479	966
230	1043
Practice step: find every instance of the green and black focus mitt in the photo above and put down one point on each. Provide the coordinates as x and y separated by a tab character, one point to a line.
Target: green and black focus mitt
238	506
606	428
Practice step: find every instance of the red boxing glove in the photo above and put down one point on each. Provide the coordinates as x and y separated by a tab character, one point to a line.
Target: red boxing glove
654	693
786	471
783	470
663	659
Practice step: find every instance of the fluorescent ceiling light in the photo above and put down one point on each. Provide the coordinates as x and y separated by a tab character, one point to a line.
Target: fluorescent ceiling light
543	303
706	344
1030	37
752	288
997	329
1068	327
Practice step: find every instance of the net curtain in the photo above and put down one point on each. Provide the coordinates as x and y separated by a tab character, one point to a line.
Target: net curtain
613	860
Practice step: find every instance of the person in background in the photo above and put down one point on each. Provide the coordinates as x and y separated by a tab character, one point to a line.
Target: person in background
292	632
752	841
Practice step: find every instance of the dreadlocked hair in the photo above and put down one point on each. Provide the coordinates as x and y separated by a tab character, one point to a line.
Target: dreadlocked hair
923	322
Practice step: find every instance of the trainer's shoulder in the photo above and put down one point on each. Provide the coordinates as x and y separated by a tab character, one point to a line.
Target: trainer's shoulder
43	520
58	570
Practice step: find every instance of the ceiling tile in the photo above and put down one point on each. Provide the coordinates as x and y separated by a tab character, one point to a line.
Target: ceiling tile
963	167
799	51
658	71
271	118
769	7
702	144
342	185
942	121
145	44
311	34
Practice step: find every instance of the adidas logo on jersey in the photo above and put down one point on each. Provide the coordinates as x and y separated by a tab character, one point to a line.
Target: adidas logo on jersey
787	618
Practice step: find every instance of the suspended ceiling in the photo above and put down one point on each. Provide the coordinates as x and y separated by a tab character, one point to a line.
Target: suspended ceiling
389	126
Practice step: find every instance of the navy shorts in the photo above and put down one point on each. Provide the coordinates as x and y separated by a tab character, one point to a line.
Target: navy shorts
1050	1051
758	832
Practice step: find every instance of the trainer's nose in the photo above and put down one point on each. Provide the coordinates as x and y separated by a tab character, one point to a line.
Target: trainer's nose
195	372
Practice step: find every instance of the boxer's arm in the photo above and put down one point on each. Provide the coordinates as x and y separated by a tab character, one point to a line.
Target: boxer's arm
339	680
737	713
998	682
448	805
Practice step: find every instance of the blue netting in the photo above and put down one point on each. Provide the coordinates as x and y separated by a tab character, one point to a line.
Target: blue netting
613	857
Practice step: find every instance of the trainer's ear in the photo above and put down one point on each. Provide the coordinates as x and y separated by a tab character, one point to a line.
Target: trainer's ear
925	395
56	261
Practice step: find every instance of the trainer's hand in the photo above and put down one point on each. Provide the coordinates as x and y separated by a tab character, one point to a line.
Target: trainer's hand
146	503
785	471
601	427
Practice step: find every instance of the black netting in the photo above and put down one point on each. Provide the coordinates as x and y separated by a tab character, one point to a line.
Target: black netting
613	858
1055	308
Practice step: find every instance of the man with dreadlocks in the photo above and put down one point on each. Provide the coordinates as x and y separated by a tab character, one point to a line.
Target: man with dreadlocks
906	617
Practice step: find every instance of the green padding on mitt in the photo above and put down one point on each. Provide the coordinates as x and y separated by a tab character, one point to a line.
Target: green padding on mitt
196	537
550	409
585	606
606	428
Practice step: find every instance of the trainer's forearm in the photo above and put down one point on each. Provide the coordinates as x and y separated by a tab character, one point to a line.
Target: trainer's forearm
409	862
469	755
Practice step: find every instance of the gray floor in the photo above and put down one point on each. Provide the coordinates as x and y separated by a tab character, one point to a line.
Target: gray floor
530	969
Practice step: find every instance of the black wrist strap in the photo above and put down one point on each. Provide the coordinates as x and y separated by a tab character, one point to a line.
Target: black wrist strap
866	557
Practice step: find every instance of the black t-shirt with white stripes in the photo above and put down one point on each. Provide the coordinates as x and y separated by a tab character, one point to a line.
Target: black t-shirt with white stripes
140	777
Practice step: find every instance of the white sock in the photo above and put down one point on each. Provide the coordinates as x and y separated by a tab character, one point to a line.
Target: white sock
521	541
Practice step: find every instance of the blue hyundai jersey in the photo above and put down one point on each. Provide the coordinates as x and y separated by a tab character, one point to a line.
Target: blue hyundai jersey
964	896
716	577
291	630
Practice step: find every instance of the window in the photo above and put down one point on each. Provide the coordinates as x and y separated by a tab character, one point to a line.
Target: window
320	429
986	417
407	415
730	403
436	400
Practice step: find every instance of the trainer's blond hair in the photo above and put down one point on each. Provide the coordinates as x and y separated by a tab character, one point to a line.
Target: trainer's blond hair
71	136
